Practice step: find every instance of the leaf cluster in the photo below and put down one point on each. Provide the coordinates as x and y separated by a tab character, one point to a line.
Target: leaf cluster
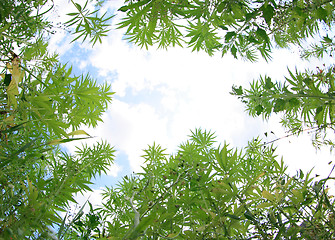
243	28
216	192
41	100
88	24
20	21
305	99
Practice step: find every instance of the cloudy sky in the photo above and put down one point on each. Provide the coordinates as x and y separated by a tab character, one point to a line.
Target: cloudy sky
160	95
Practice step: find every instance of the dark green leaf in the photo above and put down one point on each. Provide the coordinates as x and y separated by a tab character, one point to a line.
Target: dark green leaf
321	13
327	39
268	83
268	13
249	215
223	27
8	79
221	7
262	34
259	109
233	51
238	91
293	103
233	216
133	5
229	35
279	105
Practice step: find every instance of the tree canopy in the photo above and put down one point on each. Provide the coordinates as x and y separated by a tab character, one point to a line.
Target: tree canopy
243	28
206	190
42	104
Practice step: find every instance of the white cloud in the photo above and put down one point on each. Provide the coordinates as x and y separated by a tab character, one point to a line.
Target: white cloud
132	127
114	170
93	197
190	90
194	92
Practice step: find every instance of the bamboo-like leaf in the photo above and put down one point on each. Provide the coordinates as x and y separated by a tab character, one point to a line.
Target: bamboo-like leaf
266	194
78	132
65	140
133	5
264	205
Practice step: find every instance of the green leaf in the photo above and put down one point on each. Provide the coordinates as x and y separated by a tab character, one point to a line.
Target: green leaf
279	105
65	140
268	83
264	205
268	13
233	51
249	215
259	109
319	115
229	35
321	13
223	27
238	91
78	132
262	34
143	225
327	39
293	103
220	7
77	6
222	156
7	79
133	5
266	194
233	216
249	16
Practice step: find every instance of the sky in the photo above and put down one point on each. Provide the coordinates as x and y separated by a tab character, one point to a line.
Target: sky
160	95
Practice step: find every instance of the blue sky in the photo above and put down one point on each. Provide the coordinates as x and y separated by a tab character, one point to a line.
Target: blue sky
162	95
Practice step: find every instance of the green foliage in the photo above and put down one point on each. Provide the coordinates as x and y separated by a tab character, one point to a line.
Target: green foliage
205	190
20	22
83	226
216	192
43	104
306	100
326	46
88	24
242	28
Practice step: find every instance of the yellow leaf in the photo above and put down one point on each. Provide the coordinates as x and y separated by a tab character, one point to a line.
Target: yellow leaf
12	91
201	228
260	175
298	195
172	235
264	205
32	192
17	76
213	215
288	182
279	195
268	195
78	132
13	88
15	70
219	191
56	141
8	121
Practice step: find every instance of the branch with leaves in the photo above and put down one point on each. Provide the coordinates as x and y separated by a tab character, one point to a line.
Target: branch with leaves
306	99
